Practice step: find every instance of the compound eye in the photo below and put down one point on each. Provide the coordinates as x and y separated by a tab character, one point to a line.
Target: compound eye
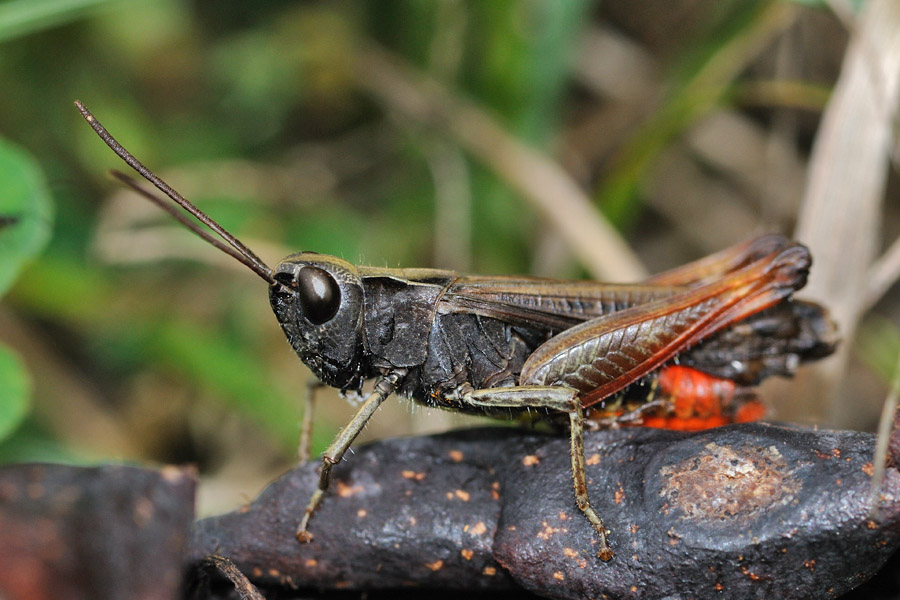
319	294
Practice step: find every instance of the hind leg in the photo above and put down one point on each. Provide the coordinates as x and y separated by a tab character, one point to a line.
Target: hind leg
558	399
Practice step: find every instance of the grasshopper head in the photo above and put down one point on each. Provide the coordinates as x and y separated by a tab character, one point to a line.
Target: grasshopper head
318	301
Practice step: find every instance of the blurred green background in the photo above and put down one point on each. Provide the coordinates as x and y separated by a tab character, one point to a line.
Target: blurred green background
339	127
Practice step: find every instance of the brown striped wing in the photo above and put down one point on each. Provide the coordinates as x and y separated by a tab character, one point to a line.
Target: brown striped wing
546	304
603	355
555	305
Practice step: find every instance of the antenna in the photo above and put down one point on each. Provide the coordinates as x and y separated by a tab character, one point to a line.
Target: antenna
232	246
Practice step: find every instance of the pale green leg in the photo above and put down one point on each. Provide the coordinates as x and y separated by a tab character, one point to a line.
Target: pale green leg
384	387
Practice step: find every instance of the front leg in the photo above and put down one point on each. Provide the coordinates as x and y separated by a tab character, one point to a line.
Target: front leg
556	398
384	387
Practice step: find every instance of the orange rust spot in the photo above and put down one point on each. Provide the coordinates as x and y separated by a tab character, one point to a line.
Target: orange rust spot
436	565
490	571
257	572
836	452
868	469
462	495
871	524
467	554
719	587
495	490
634	528
311	563
753	576
456	455
810	564
449	495
570	552
346	491
593	459
479	529
839	482
557	575
562	516
361	513
274	573
547	532
530	460
619	494
634	589
408	474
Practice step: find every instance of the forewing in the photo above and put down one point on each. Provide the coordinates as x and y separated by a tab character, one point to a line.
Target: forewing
545	304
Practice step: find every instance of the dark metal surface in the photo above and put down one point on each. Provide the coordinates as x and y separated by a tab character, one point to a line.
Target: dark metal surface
109	532
749	511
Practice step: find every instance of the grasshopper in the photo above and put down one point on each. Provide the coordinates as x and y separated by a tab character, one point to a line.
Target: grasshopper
508	346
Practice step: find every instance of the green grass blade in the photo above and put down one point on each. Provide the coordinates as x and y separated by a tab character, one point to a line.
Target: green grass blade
26	211
15	392
21	17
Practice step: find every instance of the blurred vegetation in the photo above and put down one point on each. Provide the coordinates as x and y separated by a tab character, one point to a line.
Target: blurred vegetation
688	121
